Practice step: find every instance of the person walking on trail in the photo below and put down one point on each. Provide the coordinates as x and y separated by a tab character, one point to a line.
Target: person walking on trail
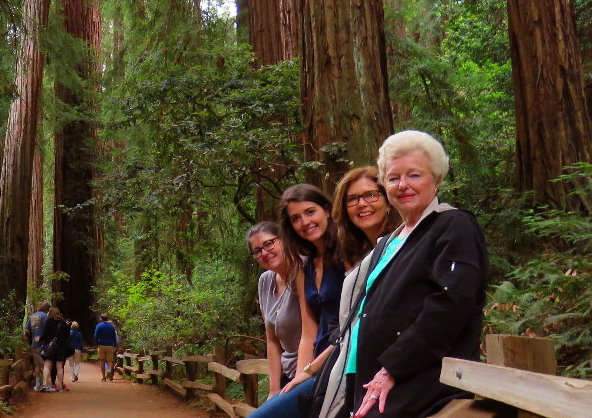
33	332
55	349
106	340
77	344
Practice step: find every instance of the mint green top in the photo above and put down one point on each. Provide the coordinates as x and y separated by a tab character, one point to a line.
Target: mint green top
389	252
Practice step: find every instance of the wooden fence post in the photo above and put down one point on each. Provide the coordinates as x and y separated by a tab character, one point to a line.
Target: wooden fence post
168	367
191	372
220	357
525	353
154	377
5	364
128	363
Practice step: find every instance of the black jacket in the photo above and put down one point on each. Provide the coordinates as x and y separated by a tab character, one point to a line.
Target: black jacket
61	330
426	304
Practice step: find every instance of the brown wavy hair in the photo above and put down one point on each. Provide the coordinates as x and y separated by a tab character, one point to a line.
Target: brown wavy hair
294	246
353	241
54	313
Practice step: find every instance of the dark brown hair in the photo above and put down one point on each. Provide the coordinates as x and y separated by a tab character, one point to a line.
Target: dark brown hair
354	242
54	313
294	246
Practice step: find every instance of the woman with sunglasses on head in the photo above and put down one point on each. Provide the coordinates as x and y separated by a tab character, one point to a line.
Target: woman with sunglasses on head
279	304
314	264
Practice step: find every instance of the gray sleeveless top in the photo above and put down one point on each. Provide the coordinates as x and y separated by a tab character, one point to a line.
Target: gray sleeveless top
282	314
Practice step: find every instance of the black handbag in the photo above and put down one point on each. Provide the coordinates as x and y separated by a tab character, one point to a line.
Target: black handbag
49	349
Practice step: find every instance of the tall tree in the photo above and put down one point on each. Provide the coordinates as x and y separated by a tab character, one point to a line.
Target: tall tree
75	230
274	29
35	256
290	14
264	31
552	124
273	33
346	111
15	178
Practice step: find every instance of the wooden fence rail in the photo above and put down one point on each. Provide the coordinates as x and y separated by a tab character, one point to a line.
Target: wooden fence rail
15	375
518	381
163	366
520	375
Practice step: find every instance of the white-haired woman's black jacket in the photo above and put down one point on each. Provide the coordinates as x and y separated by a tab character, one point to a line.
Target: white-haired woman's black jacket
427	304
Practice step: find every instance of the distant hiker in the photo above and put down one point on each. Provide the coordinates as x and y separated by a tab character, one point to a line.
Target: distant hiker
110	366
75	341
33	332
106	339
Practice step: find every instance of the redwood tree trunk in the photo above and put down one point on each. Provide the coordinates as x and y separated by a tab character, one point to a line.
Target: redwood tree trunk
273	34
553	126
35	256
76	234
290	20
343	84
17	162
264	31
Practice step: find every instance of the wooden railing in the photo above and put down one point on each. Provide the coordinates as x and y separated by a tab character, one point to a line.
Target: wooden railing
518	380
158	366
15	375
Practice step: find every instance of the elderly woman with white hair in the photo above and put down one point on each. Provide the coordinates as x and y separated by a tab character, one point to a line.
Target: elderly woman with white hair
423	294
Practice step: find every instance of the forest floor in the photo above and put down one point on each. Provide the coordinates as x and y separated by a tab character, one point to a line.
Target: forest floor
90	398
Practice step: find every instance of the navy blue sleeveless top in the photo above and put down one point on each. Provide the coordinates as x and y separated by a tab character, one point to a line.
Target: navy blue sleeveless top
324	302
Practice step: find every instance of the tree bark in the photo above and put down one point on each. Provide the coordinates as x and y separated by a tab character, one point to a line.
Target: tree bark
264	31
17	162
273	34
77	237
553	126
343	84
35	256
290	20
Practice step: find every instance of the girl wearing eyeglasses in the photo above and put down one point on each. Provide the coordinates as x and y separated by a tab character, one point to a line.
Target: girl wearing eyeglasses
279	304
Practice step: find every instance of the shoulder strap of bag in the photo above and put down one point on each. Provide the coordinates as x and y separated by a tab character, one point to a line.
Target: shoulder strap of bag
327	367
378	251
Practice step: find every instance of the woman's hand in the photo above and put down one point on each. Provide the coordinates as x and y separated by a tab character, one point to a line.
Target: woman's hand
299	378
377	390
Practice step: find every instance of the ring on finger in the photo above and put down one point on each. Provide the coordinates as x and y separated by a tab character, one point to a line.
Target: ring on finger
373	397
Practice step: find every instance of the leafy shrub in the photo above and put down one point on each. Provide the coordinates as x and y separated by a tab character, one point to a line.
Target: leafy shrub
551	295
160	310
11	327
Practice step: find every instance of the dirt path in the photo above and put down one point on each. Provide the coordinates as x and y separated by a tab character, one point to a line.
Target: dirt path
90	398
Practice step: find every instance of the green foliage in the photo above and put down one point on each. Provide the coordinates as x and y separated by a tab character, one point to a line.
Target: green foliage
11	326
450	74
551	294
160	310
6	409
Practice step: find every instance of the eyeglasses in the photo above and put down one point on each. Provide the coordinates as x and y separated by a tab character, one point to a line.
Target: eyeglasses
267	246
370	196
